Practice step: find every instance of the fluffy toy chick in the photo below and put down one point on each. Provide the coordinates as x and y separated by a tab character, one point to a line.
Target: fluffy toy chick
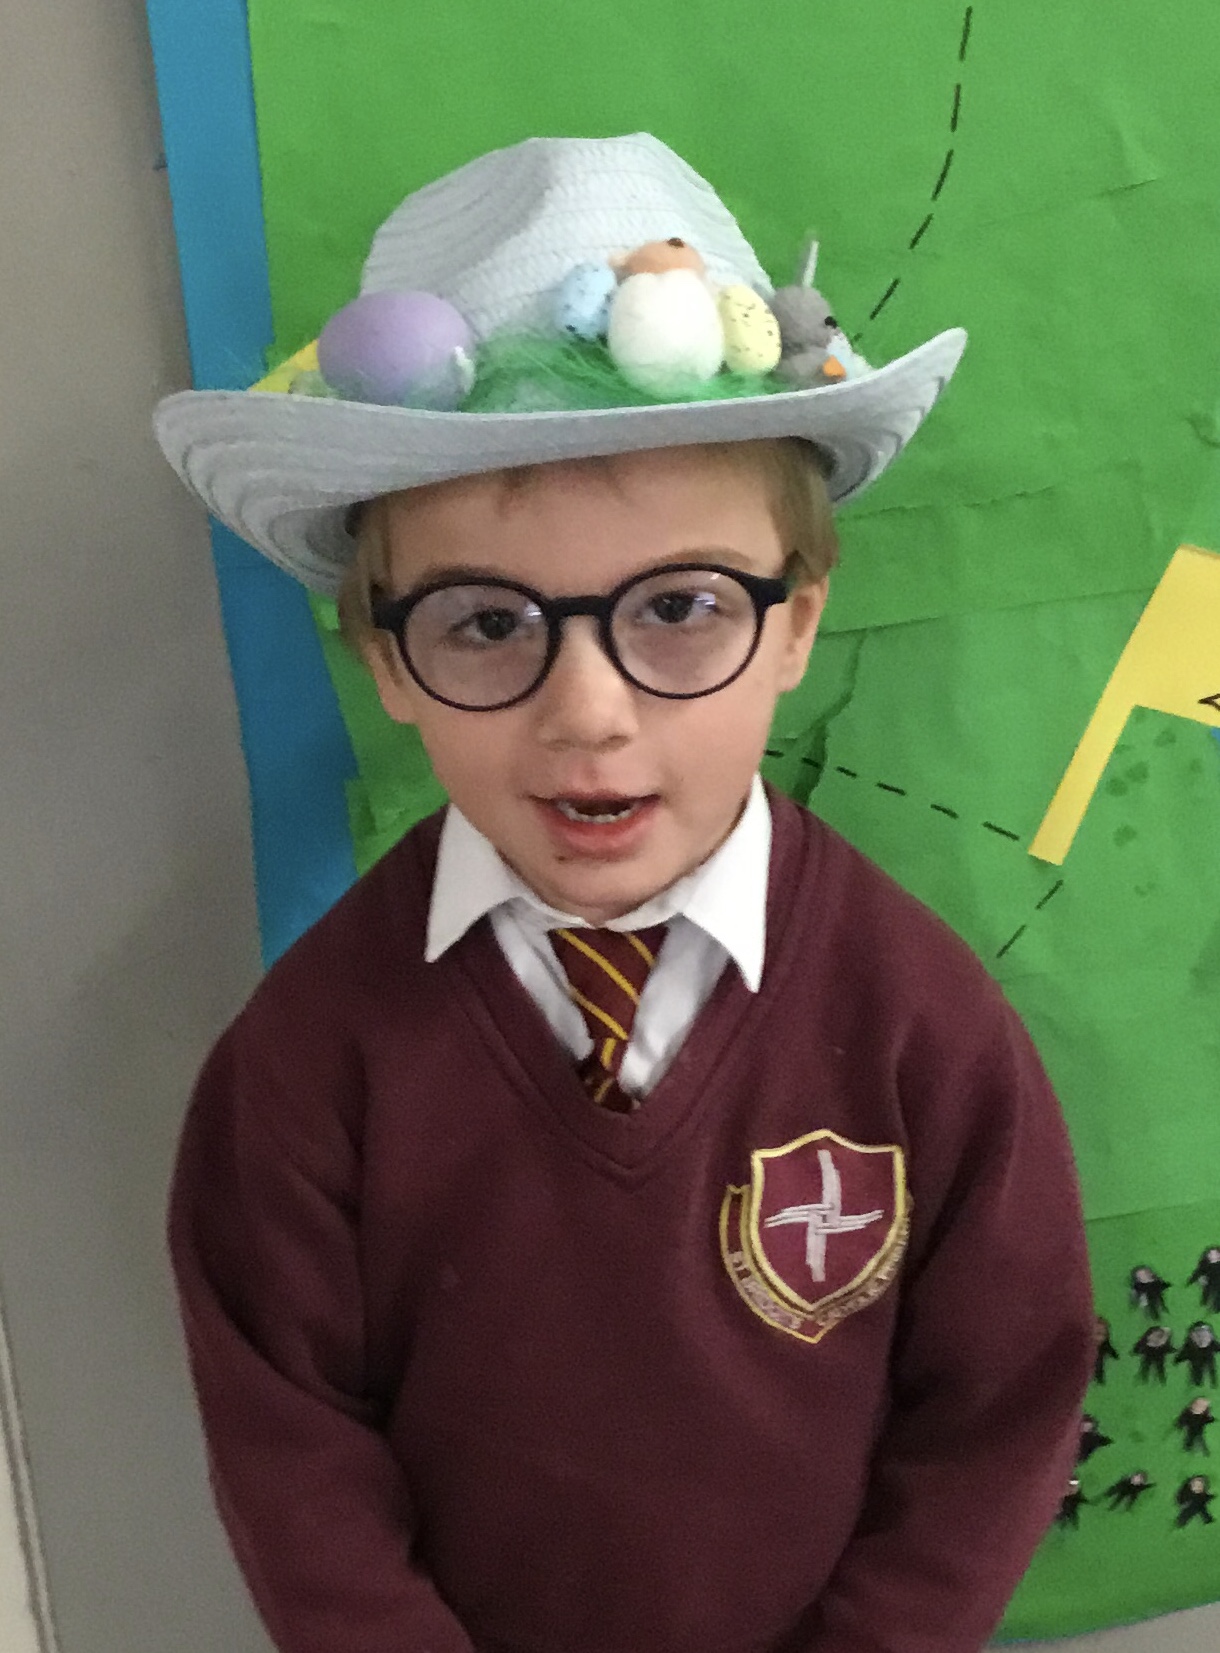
655	257
815	350
665	331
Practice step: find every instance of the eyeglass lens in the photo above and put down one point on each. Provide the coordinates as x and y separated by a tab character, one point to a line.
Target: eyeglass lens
684	632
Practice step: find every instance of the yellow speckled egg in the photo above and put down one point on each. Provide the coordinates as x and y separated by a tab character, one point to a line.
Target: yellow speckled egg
751	332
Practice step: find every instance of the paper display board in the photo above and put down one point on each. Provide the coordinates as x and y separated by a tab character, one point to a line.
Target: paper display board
1045	176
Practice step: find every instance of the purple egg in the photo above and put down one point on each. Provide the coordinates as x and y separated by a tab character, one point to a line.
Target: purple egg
406	349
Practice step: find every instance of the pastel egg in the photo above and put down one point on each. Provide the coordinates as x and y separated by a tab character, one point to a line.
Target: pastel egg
665	332
582	304
655	257
408	349
751	333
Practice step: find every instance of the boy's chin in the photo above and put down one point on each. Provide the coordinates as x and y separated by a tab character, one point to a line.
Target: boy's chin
595	893
598	900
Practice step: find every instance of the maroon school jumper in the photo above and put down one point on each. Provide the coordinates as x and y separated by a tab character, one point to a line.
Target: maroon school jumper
790	1360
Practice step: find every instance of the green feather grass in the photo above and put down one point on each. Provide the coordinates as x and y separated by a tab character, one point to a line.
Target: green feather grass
535	373
542	373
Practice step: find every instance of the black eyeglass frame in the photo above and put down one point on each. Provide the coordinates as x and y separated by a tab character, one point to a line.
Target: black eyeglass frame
392	613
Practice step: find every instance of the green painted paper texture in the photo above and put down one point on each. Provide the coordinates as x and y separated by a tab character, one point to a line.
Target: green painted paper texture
1044	175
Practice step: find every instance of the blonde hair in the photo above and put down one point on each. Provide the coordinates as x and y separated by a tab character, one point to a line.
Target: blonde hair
794	470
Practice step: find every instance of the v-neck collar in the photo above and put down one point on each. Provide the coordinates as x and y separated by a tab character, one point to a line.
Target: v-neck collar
516	1032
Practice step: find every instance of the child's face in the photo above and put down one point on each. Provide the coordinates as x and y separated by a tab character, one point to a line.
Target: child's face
586	733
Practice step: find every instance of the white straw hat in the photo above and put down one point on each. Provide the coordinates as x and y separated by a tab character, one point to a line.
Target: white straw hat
496	239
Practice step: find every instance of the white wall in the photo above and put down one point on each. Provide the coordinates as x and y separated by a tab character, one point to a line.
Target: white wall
127	932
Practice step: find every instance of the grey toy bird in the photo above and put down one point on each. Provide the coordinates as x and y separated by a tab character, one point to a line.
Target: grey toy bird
814	348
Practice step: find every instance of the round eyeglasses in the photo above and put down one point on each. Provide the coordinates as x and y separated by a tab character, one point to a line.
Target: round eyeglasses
681	631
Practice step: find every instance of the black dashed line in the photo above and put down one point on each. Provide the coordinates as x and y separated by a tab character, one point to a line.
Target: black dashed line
771	753
1015	937
1018	933
953	815
884	299
954	118
1054	890
941	809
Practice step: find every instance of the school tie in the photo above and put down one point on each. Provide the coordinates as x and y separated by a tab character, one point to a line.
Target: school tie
606	971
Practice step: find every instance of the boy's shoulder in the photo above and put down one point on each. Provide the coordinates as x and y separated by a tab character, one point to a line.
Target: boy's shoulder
928	1030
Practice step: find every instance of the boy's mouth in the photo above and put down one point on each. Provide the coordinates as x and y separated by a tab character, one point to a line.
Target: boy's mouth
598	826
604	811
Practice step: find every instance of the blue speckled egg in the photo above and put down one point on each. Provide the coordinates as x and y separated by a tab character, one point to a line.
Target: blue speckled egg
582	304
407	349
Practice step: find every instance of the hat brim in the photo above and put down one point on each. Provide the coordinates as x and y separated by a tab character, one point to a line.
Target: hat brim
282	471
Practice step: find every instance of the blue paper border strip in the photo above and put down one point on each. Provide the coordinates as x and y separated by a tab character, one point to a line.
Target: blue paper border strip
298	753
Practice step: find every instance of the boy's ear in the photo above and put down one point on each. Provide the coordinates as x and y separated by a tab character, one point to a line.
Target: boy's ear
804	611
395	685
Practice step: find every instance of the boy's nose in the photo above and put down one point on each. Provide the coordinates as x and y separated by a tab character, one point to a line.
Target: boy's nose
584	700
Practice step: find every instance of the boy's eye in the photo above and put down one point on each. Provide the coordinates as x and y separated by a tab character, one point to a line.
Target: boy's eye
473	617
490	625
686	603
675	608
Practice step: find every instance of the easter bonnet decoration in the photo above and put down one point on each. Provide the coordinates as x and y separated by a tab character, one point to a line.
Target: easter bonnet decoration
559	299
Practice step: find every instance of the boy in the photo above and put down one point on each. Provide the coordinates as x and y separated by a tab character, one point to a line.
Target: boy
626	1221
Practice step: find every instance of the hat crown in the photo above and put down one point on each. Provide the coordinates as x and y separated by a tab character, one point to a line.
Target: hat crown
497	236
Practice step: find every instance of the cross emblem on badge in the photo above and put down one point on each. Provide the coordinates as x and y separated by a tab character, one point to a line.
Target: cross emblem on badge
823	1217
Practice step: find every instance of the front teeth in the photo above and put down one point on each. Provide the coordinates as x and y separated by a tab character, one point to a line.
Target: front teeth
570	812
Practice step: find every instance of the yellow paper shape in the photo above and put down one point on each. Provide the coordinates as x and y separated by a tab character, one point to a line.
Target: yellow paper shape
1171	664
281	377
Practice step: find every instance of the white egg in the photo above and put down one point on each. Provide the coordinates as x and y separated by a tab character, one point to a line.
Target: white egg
665	332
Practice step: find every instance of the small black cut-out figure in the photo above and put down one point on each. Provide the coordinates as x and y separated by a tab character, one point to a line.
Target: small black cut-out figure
1068	1514
1091	1439
1193	1421
1105	1349
1199	1353
1124	1494
1148	1291
1154	1348
1193	1497
1207	1278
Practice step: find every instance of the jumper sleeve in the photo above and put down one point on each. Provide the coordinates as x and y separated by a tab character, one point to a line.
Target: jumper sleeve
993	1355
265	1256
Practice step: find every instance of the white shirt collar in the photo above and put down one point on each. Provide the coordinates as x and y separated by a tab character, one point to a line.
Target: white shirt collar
726	896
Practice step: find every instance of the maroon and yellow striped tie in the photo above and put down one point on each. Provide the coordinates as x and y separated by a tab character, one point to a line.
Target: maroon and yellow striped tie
606	971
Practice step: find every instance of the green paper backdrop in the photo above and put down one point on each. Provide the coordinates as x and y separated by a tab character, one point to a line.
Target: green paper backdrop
1044	174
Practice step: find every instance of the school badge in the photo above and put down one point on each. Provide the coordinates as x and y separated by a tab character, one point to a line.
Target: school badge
818	1233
